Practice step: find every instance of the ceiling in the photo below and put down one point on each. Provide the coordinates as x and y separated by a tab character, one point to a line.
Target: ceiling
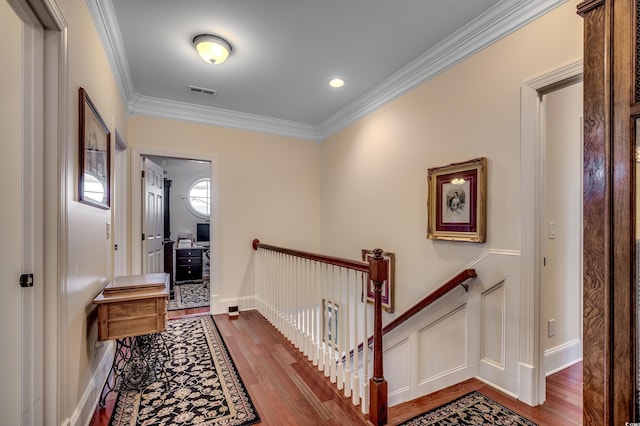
286	51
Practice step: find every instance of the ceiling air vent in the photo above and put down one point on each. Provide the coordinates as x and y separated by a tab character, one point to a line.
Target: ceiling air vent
203	90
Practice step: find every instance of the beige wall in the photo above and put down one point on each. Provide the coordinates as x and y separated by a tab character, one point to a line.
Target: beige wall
374	172
89	255
267	188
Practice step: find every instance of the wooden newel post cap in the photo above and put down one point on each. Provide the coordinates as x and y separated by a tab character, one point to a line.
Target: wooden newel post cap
378	267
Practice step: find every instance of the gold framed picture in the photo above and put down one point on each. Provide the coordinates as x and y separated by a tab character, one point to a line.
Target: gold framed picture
457	201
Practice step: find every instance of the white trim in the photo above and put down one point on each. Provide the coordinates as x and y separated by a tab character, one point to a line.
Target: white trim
136	209
499	21
91	396
563	356
532	175
32	223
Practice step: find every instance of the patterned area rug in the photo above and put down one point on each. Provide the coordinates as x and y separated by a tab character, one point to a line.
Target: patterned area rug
470	409
204	386
189	295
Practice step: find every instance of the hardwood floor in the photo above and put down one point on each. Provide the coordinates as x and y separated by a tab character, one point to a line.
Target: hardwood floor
563	405
288	390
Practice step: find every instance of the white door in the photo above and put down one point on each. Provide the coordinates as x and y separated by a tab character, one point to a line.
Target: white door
21	217
153	218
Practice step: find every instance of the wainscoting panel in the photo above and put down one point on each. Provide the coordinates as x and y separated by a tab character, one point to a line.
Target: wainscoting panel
442	346
397	367
493	325
462	335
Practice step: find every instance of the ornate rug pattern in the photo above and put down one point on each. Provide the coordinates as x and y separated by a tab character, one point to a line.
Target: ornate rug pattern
470	409
189	295
204	386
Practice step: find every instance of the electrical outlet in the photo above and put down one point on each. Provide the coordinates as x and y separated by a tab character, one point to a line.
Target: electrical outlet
552	327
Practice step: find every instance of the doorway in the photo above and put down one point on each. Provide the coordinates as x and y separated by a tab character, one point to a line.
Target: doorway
535	326
561	228
189	234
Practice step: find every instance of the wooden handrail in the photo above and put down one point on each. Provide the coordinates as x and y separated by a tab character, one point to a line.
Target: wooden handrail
337	261
428	300
432	297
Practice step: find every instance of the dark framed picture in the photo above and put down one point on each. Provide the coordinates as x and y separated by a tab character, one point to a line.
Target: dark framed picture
330	322
457	202
95	156
387	286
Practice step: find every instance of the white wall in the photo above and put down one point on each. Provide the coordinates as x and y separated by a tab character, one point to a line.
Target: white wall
562	275
10	214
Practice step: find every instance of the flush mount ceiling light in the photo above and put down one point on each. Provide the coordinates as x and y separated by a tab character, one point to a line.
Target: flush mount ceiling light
336	82
211	48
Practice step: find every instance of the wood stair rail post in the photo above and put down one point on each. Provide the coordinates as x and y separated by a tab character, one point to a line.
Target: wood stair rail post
377	384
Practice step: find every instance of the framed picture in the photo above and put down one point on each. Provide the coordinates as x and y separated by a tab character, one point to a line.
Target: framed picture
457	202
330	322
95	156
387	286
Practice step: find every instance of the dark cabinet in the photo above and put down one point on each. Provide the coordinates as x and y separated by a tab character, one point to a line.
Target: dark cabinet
189	264
168	263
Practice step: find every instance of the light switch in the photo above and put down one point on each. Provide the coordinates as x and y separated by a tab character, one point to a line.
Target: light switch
552	230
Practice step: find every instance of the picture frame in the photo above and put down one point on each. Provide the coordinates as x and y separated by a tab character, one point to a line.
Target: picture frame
331	312
94	172
388	287
457	201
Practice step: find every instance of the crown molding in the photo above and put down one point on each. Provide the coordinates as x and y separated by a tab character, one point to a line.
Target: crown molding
499	21
163	108
106	23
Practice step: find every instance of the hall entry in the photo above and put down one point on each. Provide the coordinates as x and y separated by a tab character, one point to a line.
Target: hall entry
179	205
561	236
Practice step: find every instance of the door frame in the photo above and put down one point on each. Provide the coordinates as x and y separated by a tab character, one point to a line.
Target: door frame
532	386
46	127
136	206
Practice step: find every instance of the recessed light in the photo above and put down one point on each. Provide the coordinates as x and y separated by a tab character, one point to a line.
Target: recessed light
336	82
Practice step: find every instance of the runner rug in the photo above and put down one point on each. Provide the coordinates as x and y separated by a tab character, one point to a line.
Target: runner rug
190	295
204	387
470	409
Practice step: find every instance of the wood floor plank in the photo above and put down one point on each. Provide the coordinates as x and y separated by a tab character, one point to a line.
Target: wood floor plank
288	390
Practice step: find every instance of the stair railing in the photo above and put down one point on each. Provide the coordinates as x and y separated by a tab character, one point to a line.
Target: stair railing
319	304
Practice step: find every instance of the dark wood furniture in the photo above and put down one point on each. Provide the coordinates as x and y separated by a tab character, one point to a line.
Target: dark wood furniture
189	264
168	263
611	105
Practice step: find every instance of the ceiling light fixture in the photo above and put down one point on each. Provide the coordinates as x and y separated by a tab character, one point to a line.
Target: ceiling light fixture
213	49
336	83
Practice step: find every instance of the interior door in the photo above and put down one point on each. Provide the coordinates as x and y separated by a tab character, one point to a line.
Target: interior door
153	217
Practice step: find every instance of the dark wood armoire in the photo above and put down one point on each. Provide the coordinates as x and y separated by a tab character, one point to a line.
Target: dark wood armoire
611	106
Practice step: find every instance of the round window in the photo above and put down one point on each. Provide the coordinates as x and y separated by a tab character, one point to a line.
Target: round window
198	197
93	188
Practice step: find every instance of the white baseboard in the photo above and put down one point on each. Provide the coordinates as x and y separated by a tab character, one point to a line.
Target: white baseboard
90	398
563	356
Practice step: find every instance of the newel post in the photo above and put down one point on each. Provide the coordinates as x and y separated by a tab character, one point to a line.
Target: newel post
377	384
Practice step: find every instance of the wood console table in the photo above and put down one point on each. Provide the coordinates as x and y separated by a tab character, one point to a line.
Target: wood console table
133	311
133	305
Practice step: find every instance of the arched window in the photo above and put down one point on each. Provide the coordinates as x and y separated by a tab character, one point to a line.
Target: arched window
198	197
